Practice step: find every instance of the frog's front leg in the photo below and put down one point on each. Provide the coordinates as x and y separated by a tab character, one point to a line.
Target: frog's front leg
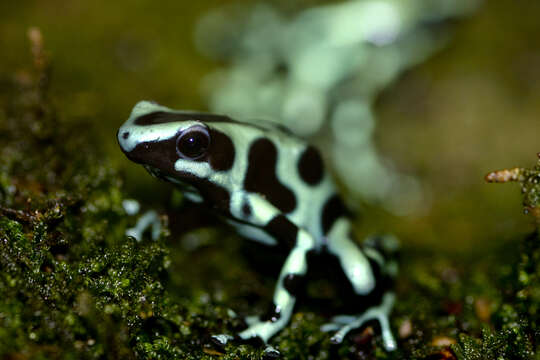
293	270
286	233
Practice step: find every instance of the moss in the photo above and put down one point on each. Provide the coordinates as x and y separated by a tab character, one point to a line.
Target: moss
514	331
505	344
72	286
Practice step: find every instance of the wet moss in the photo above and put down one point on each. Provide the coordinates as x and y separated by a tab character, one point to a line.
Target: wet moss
512	333
72	285
505	344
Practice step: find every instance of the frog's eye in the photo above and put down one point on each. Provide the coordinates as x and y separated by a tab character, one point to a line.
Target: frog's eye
193	142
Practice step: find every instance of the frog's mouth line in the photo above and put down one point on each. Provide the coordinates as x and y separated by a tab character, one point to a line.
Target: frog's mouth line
155	172
163	176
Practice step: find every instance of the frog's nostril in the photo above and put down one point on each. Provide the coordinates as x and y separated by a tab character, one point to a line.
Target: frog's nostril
121	137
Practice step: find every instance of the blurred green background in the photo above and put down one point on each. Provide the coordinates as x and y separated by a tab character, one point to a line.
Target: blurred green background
471	108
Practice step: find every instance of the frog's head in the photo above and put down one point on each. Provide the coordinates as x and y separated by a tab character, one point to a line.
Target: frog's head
177	146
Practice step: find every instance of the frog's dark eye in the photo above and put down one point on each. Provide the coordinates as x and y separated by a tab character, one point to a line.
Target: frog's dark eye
193	143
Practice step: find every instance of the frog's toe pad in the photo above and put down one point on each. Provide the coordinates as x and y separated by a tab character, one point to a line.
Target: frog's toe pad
340	328
336	339
337	322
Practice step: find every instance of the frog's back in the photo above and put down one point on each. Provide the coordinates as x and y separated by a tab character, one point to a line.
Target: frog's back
288	173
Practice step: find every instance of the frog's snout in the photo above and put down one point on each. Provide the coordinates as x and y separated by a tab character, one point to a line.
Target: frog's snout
125	141
122	135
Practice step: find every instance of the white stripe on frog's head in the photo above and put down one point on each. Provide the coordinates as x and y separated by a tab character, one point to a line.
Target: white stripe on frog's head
150	122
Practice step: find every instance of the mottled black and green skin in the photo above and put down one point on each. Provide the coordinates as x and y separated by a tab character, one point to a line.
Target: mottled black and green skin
273	188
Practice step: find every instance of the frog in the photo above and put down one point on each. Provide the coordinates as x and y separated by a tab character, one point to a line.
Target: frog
272	187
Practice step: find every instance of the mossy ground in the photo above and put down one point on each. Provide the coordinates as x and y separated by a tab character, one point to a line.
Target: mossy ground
73	286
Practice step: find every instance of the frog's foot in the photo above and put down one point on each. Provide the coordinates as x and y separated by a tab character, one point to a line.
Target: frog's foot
262	329
221	340
343	324
149	220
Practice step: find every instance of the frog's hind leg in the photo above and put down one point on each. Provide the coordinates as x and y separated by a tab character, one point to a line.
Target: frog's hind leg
368	270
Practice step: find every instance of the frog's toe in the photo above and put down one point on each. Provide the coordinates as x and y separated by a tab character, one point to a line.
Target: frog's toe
271	352
261	331
343	319
341	330
221	339
331	326
337	338
337	322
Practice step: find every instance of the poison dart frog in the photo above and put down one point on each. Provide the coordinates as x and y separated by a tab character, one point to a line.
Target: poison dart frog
272	187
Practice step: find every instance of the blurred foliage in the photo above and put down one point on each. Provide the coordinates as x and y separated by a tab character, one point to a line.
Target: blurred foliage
319	72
